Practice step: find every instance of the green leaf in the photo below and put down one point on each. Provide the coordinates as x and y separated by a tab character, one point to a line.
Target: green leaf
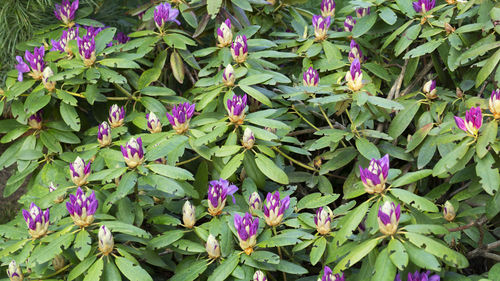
232	166
381	72
411	177
148	77
317	250
255	79
103	38
19	88
384	269
111	272
488	67
43	254
254	93
70	116
486	138
82	244
423	49
191	271
418	137
438	249
387	15
81	267
367	149
398	254
393	35
177	66
350	222
111	76
14	134
171	172
421	258
406	39
213	7
166	239
355	255
269	168
119	63
403	119
316	200
132	271
95	271
50	142
414	200
118	226
363	25
225	268
486	169
266	257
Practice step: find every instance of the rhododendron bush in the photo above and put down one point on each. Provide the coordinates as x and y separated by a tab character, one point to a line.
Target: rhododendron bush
256	140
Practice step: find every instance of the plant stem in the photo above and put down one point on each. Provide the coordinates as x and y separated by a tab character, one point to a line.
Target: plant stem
303	118
187	161
326	117
293	160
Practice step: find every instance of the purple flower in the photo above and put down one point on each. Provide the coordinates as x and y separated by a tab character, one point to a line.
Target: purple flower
104	134
429	89
82	208
154	125
310	77
388	218
224	34
236	109
66	11
35	120
35	61
259	276
349	24
165	13
473	121
354	77
121	38
239	49
14	272
495	103
86	48
218	190
323	219
355	52
21	67
423	6
375	176
254	203
274	208
92	31
361	12
327	8
36	220
181	115
116	116
417	276
79	172
321	26
133	153
247	231
62	44
228	77
329	276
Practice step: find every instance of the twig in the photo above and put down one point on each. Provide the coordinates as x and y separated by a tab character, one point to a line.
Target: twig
420	76
394	92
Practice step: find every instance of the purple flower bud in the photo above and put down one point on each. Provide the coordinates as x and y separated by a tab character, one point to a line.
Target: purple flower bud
165	13
259	276
323	220
53	188
473	121
86	48
388	218
218	190
355	52
375	176
92	31
104	134
116	116
121	38
349	24
448	211
361	12
310	77
36	220
423	6
321	26
36	62
495	103
181	115
224	34
66	11
82	208
14	272
327	8
248	139
79	172
274	208
35	120
236	109
429	89
228	77
106	241
239	49
154	125
247	231
62	44
133	153
188	215
329	276
212	247
46	74
255	203
417	276
354	77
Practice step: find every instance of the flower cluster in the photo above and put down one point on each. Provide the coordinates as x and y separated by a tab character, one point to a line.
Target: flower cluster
224	34
36	220
218	190
246	227
116	116
472	123
388	218
86	48
429	89
349	24
236	109
328	8
104	134
212	247
79	171
323	219
494	103
355	52
154	124
65	12
165	13
354	77
239	49
375	176
36	64
248	139
274	208
361	12
329	276
82	208
133	153
180	117
254	203
423	6
62	45
417	276
310	78
106	241
228	77
321	25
